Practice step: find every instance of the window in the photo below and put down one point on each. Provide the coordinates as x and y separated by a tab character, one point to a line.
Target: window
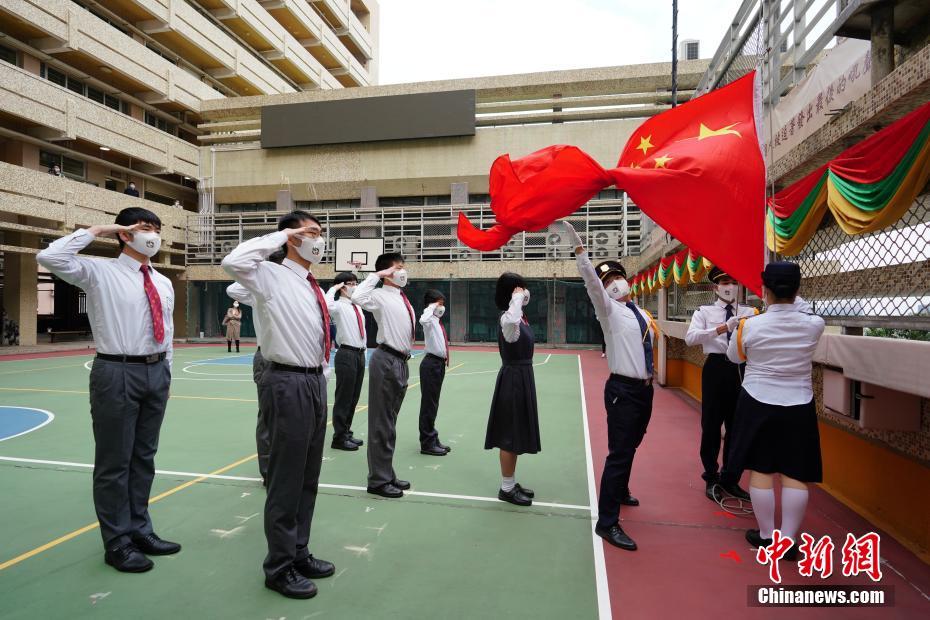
692	50
157	121
71	168
94	94
165	200
8	55
53	75
76	86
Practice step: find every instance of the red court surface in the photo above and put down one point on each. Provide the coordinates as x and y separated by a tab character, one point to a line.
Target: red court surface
692	559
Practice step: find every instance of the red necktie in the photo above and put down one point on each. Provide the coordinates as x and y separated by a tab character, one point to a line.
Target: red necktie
413	323
525	322
158	321
324	311
358	316
445	340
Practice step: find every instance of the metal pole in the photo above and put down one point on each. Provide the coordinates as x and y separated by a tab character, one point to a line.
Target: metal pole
626	225
674	53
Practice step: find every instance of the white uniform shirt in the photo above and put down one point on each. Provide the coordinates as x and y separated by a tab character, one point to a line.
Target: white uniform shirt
243	296
343	313
624	338
287	307
395	324
511	319
704	323
779	345
432	333
117	307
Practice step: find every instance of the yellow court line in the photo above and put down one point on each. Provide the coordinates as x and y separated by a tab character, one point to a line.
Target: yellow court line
13	372
92	526
238	400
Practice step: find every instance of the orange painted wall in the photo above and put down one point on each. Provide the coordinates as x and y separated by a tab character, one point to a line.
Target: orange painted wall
684	375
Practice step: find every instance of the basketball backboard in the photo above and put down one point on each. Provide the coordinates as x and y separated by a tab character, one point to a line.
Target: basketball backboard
358	253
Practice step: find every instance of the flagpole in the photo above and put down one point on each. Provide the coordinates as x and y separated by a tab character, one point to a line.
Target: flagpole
674	53
767	111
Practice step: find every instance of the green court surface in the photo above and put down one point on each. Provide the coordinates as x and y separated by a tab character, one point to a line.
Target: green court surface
449	549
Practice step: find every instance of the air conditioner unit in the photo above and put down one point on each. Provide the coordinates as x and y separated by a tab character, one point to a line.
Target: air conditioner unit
606	244
557	246
405	245
511	249
466	254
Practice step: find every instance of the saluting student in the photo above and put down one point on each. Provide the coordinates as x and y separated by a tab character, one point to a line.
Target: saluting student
388	378
513	423
432	371
350	358
629	333
292	391
721	379
775	427
129	306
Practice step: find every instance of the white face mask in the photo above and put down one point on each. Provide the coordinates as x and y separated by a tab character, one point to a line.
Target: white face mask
439	311
145	243
727	292
399	278
347	292
618	289
526	297
235	304
312	249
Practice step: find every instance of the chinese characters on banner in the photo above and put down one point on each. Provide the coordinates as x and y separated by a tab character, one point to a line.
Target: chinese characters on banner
858	556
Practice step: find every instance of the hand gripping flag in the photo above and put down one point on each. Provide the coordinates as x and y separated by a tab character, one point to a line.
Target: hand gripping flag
696	170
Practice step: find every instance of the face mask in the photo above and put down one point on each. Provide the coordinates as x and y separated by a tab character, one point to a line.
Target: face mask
618	289
348	291
312	249
399	278
727	292
146	243
526	297
439	311
235	304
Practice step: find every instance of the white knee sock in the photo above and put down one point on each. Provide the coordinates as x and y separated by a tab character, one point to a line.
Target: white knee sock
507	484
793	505
763	506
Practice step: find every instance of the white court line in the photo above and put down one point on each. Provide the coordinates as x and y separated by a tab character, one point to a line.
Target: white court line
488	372
342	487
49	416
600	565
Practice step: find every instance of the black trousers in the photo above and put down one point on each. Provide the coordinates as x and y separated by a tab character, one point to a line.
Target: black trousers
629	407
262	436
387	386
350	374
295	405
432	374
720	386
127	406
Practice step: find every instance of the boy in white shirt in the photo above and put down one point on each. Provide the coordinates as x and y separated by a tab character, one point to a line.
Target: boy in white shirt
432	371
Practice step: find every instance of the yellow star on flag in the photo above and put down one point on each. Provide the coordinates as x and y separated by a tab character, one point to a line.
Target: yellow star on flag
661	161
706	132
645	144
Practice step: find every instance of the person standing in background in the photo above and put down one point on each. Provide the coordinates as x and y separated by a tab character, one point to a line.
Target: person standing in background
233	323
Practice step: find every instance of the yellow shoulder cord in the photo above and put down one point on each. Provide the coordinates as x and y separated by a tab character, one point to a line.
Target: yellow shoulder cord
739	340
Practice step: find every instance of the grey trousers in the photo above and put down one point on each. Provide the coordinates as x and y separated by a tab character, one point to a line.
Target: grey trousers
387	385
262	436
350	374
127	406
432	374
295	406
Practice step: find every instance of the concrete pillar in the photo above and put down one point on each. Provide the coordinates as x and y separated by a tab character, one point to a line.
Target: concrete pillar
284	201
369	198
557	318
20	287
459	193
882	41
458	313
180	304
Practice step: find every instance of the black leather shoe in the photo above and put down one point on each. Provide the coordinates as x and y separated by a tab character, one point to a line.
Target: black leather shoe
357	442
443	446
515	496
754	539
528	492
616	536
629	500
434	450
793	554
291	584
735	491
403	485
714	491
386	490
345	444
127	559
151	544
313	568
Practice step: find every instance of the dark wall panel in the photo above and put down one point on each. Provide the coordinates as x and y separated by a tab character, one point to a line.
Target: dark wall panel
369	119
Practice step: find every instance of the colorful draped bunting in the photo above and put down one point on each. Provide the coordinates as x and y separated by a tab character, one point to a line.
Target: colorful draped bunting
683	268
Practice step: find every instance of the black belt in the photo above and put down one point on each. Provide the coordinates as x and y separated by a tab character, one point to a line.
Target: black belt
394	352
154	358
318	370
631	380
434	356
348	348
517	362
722	356
258	349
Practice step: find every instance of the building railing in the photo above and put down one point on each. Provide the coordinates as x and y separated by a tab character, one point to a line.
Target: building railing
425	234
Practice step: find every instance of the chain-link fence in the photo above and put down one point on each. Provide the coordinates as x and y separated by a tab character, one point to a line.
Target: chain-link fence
879	279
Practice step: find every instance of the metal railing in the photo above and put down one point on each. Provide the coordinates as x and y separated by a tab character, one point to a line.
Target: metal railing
425	234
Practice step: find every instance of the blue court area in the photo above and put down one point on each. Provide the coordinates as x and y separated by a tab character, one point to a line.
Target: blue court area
16	421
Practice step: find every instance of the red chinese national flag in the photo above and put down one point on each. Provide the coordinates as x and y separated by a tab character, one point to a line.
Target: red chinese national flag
697	170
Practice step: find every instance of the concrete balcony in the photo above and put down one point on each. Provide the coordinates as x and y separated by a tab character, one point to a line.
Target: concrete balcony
85	42
59	205
181	28
356	38
55	113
